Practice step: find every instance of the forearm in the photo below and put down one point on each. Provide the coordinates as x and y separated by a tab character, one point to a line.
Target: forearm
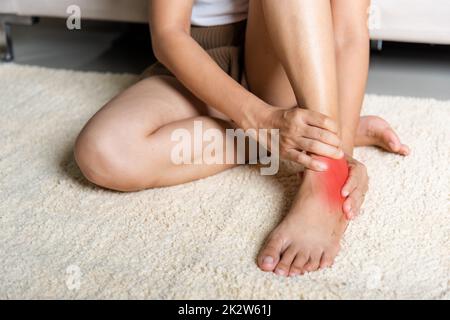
191	64
302	35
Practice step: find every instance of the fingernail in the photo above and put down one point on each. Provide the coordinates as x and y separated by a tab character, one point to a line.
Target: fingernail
350	215
345	193
341	154
268	260
322	166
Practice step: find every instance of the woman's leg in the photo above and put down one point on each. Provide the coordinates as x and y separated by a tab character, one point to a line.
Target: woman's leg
297	37
269	81
291	60
127	145
351	36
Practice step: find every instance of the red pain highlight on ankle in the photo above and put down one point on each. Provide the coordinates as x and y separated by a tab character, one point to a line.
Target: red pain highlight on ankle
333	180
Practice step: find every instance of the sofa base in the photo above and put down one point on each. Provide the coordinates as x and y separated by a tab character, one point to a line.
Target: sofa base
376	45
6	43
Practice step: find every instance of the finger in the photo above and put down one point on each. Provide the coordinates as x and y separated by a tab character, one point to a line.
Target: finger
350	185
307	161
319	148
347	207
319	120
359	200
323	136
352	204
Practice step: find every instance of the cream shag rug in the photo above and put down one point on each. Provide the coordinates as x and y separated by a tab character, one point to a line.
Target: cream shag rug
61	237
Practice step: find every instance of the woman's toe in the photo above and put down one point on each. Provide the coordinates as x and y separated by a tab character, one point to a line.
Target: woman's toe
283	267
314	261
298	264
404	150
327	260
390	141
269	256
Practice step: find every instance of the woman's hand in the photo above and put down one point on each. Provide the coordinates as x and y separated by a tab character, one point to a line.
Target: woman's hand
303	132
355	188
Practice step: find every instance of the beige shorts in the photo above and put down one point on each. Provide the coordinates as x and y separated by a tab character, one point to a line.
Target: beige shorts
224	44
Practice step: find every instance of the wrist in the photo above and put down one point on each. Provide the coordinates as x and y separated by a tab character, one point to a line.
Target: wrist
255	115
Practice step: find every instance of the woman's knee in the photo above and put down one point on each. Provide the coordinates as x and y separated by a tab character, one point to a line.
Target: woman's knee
103	159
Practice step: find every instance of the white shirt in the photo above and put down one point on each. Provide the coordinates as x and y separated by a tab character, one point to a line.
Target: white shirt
218	12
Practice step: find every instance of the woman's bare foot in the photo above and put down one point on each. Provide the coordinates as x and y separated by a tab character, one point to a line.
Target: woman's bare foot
309	236
375	131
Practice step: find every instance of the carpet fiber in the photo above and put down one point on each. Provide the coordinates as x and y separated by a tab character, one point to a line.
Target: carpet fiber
62	237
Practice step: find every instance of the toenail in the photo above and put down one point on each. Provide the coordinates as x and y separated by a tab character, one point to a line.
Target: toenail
280	272
268	260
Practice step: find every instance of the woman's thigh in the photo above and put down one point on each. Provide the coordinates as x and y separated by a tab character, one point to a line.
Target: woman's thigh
126	145
146	106
265	75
